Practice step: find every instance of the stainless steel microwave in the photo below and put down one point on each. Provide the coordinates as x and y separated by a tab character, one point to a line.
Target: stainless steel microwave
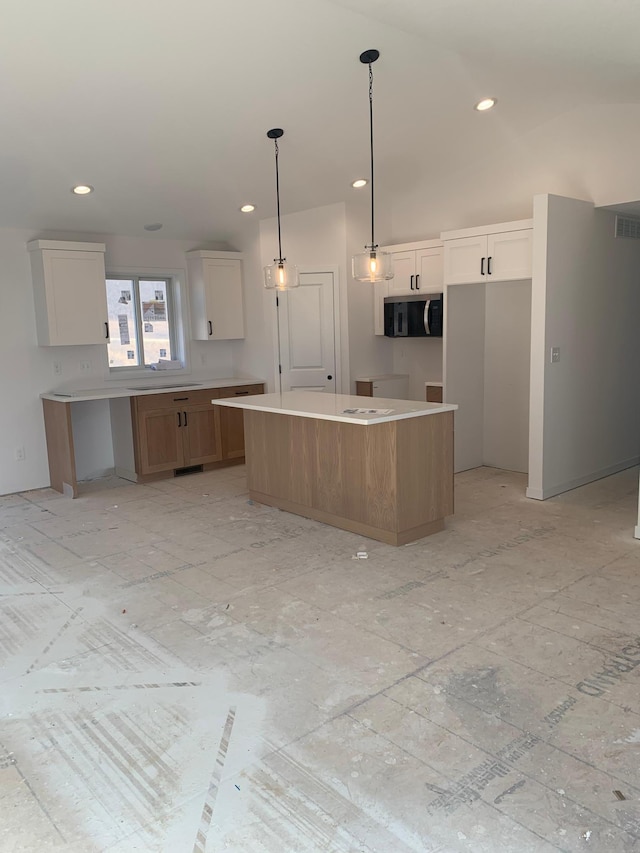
410	317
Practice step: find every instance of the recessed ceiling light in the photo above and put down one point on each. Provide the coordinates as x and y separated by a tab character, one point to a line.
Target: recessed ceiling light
82	189
248	208
155	226
361	182
485	104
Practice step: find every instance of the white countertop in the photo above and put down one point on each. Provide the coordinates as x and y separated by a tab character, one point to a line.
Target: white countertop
331	407
135	388
382	376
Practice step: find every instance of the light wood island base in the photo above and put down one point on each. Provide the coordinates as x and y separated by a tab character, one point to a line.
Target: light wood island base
388	481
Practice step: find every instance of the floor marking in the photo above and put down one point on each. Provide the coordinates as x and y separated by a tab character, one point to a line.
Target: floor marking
216	777
120	687
54	639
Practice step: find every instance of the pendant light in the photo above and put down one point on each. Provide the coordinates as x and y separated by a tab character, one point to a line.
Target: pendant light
279	275
372	265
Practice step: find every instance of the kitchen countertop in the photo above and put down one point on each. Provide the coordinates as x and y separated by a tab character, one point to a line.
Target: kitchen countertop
381	377
331	407
139	387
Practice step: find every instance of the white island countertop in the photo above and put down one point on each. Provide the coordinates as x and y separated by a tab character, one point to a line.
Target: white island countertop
336	407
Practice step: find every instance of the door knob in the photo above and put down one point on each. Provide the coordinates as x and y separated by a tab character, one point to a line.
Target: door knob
329	376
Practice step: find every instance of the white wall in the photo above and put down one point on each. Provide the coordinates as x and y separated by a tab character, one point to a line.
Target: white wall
421	358
487	372
506	375
464	373
586	300
28	370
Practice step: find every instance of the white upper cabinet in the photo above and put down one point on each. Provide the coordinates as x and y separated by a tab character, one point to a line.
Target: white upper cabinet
69	292
490	253
215	287
418	269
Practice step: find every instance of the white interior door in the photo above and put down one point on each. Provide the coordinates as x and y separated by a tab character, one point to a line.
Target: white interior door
307	334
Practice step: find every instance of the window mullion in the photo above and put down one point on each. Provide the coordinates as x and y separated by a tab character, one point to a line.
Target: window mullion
138	316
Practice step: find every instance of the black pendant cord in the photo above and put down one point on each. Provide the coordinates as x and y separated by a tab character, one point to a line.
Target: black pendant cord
373	241
278	203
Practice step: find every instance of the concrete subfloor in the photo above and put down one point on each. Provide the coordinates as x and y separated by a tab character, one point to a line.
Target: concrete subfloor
183	670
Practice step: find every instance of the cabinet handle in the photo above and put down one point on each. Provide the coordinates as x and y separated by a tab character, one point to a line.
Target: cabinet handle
186	422
489	265
481	266
411	285
210	328
106	330
417	281
240	393
179	419
178	399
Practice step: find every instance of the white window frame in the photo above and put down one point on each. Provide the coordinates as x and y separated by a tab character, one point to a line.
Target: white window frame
178	311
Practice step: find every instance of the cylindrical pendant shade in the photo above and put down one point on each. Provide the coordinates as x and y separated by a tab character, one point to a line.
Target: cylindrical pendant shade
373	265
281	276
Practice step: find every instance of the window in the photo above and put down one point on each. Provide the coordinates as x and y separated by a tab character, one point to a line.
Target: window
141	321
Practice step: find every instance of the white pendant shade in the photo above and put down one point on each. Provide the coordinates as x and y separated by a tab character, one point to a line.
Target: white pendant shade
372	265
281	276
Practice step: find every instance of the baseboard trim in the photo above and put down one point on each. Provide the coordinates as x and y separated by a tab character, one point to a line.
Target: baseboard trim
552	491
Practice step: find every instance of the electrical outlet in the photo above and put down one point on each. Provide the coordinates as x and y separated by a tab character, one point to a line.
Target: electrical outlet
57	368
85	366
20	454
555	354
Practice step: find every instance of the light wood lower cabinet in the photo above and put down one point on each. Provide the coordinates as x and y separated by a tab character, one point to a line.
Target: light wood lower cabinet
159	441
232	421
179	431
391	481
364	389
154	435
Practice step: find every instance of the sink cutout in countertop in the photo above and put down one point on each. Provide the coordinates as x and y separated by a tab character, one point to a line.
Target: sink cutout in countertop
164	387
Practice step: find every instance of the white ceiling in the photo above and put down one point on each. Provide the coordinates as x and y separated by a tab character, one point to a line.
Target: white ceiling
164	106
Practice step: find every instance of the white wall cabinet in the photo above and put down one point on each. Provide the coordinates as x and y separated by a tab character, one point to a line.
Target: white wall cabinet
418	268
69	292
490	253
217	307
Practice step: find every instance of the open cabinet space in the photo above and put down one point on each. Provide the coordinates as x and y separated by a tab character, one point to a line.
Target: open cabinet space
487	360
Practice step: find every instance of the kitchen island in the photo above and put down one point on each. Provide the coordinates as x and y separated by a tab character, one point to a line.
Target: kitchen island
383	471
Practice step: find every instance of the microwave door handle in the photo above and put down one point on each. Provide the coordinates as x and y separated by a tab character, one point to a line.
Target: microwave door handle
427	306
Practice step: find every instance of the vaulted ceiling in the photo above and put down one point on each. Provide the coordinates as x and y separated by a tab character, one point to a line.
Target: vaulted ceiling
163	107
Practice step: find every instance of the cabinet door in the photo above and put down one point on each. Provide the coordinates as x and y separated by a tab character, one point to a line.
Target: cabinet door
465	260
76	297
403	282
159	441
201	428
223	298
430	270
510	255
